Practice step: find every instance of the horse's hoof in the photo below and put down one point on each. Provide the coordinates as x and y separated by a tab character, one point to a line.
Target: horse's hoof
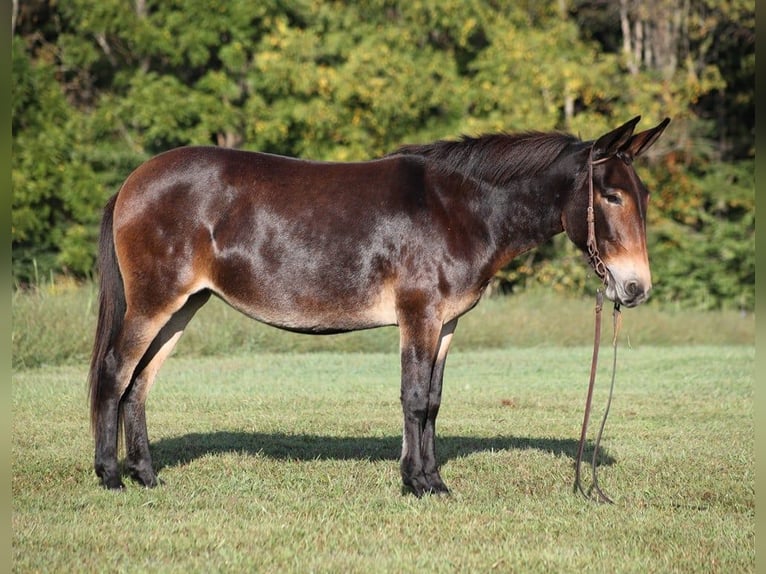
418	488
441	490
114	484
437	486
423	487
408	489
145	479
152	482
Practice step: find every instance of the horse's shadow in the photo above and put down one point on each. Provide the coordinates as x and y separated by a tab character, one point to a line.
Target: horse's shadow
183	449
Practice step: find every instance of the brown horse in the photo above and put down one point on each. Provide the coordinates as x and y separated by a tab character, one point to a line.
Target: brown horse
411	239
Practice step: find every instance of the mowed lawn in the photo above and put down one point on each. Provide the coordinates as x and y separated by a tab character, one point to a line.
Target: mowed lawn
288	463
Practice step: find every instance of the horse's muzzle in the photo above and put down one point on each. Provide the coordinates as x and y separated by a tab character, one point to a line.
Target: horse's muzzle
629	292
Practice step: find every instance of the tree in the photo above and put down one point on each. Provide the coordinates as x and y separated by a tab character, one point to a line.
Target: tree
56	193
101	85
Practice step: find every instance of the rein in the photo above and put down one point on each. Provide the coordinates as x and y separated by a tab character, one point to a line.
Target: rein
600	268
600	496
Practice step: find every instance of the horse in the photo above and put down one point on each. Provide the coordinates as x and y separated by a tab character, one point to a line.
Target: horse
410	239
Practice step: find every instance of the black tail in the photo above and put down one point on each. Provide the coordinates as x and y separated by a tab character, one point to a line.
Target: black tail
111	308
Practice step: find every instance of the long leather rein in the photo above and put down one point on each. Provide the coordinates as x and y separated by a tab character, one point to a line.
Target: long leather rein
595	492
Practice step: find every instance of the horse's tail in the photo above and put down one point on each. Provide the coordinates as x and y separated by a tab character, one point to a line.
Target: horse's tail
111	309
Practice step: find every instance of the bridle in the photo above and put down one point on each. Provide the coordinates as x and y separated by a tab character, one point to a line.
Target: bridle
600	269
593	256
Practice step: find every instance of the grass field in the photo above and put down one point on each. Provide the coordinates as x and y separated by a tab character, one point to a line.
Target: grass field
54	325
287	462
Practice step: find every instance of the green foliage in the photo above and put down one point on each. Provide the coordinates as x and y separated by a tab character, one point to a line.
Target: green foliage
705	252
101	85
56	191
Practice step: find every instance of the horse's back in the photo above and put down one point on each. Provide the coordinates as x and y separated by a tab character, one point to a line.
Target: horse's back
217	176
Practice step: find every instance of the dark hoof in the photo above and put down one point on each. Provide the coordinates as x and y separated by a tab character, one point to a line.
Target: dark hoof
146	481
410	490
113	484
145	478
437	485
440	490
109	474
420	493
423	487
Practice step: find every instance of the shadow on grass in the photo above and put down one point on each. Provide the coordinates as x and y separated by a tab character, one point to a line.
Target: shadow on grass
184	449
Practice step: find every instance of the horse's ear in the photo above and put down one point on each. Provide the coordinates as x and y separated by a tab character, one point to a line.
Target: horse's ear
609	144
641	142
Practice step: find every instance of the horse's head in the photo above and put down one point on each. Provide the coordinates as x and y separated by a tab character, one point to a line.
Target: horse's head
616	234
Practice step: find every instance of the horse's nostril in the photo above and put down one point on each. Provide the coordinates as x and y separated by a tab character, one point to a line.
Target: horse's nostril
631	288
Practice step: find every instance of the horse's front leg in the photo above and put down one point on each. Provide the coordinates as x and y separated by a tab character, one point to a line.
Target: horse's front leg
428	443
419	340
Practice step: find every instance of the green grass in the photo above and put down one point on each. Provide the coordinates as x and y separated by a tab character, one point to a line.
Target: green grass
287	462
54	325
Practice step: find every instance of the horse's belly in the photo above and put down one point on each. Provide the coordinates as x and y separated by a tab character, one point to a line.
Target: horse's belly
307	314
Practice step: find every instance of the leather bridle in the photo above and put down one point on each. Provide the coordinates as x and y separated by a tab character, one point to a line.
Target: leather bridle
593	255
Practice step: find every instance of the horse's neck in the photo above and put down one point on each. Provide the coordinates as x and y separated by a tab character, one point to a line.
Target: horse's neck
526	214
513	216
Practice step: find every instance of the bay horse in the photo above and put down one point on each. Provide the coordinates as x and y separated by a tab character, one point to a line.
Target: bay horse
410	239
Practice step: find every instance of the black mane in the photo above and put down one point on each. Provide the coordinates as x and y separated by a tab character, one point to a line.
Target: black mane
494	158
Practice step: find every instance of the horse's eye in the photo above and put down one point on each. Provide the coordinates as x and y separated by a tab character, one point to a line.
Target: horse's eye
613	198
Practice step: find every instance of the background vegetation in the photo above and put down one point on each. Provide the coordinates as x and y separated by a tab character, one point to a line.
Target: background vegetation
54	325
101	85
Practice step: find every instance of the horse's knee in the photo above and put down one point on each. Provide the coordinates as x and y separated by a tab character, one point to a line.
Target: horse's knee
414	402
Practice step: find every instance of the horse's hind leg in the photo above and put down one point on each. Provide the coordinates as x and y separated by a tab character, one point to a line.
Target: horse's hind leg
138	458
120	363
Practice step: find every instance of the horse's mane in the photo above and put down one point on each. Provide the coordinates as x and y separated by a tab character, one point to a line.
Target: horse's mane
494	158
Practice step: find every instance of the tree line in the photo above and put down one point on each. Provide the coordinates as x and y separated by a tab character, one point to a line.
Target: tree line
101	85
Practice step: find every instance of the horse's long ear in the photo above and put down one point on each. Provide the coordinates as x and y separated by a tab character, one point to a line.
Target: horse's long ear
611	143
641	142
